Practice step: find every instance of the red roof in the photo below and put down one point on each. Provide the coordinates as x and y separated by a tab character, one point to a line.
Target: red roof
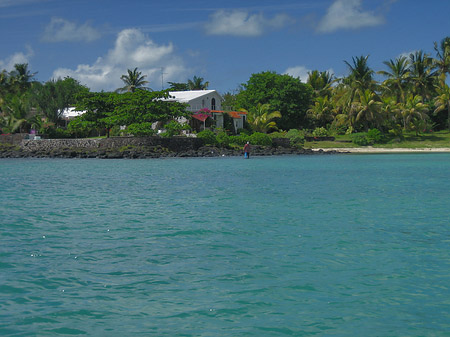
233	114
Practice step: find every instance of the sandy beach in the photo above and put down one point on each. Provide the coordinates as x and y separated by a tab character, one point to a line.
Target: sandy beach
370	149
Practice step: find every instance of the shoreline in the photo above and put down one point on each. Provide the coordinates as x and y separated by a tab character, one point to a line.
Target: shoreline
374	150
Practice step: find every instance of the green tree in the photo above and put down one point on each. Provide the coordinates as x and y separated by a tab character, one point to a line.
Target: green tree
4	84
197	84
442	101
134	108
261	118
352	87
413	108
175	86
10	124
98	106
17	110
322	111
442	61
284	93
56	95
229	101
21	77
397	77
321	82
423	74
134	80
361	75
367	110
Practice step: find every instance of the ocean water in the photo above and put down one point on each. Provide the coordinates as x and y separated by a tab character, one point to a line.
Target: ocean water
336	245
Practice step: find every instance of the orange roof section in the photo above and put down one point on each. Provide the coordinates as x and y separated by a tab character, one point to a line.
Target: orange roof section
233	114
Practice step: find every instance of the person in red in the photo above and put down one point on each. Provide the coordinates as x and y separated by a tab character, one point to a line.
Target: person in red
247	150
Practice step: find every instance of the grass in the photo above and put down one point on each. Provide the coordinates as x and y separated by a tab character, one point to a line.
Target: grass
439	139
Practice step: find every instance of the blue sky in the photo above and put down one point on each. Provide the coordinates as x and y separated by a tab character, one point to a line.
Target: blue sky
96	41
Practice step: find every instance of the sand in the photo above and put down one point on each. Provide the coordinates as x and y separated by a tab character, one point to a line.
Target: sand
370	149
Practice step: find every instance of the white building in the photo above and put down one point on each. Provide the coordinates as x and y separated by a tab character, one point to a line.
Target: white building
198	99
201	100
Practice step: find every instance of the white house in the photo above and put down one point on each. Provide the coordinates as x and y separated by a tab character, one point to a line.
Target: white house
207	103
198	99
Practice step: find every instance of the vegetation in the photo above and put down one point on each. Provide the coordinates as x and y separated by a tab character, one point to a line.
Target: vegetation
134	80
283	93
411	102
196	83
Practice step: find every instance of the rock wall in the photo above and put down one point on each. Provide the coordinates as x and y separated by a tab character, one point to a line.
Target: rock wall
173	144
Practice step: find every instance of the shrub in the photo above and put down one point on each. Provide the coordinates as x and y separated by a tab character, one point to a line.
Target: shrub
360	139
223	139
140	129
296	137
259	138
278	134
374	136
320	132
208	137
174	128
58	133
239	140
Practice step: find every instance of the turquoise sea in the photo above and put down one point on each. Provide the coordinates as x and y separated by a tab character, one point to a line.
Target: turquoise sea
335	245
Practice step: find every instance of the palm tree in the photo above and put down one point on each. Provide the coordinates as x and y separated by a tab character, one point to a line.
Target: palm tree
367	111
442	61
422	74
361	76
10	124
176	86
197	84
442	101
261	119
134	80
320	81
21	76
413	108
16	109
321	111
397	76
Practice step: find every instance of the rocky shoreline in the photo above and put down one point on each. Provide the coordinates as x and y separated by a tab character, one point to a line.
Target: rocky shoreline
143	152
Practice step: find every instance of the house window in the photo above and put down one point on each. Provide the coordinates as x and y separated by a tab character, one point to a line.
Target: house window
213	104
203	103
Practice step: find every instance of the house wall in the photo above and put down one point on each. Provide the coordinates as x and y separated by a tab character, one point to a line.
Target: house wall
205	102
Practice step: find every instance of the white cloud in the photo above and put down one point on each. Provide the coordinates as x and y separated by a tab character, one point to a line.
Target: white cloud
132	49
298	71
16	58
347	14
241	23
59	30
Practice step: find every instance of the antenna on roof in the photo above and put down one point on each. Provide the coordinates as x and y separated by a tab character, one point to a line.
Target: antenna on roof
162	78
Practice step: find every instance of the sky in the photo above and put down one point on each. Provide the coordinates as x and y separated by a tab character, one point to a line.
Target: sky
223	41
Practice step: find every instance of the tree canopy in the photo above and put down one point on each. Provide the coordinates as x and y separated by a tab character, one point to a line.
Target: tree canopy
134	110
283	93
133	81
